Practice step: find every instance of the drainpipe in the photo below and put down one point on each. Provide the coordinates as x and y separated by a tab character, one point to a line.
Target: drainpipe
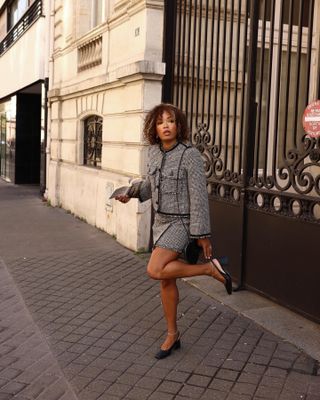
48	82
43	184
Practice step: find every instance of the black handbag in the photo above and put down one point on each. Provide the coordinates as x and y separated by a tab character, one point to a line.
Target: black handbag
192	252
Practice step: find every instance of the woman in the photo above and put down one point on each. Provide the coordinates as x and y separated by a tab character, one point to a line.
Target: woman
177	185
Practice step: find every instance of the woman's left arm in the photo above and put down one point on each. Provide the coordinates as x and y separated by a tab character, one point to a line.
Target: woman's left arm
198	196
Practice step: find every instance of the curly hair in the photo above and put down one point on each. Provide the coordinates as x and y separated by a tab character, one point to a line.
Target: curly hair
149	128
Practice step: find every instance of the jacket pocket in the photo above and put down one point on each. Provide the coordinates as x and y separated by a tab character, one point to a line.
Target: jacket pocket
173	182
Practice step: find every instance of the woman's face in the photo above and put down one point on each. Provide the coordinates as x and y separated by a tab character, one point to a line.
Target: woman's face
166	129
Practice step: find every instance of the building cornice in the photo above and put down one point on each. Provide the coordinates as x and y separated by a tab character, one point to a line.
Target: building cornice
125	9
120	76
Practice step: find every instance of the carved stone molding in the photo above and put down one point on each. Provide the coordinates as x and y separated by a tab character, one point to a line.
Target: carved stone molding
90	54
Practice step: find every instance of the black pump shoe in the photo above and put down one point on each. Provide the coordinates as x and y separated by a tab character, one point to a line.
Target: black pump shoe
228	281
165	353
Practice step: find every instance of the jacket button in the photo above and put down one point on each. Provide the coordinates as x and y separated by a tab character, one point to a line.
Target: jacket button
157	187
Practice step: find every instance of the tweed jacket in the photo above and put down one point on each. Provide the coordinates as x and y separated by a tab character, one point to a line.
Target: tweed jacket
176	183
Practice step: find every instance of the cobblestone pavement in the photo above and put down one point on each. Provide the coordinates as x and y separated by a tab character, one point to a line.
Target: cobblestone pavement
28	369
88	322
102	318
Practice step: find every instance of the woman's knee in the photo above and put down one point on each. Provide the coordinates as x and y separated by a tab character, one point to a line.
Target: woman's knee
154	271
159	259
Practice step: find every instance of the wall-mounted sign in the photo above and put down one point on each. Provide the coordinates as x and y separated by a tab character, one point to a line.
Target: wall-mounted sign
311	119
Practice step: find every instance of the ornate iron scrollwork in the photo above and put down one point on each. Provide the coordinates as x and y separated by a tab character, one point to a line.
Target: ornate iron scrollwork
93	141
244	116
214	164
294	175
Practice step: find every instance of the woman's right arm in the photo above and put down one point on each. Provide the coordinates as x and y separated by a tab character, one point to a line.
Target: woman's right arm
140	190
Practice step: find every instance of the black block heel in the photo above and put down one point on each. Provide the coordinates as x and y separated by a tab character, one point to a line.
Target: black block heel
228	280
165	353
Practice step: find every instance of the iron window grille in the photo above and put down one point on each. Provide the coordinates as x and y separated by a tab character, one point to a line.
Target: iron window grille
29	17
93	141
229	100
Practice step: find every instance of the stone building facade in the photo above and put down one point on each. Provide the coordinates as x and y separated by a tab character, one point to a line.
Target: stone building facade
106	71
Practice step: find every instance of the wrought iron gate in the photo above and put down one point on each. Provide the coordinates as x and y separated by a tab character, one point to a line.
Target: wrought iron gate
243	72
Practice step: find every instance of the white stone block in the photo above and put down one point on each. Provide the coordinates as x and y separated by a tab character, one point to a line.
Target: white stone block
154	34
68	151
54	149
123	128
100	101
152	94
55	110
124	158
69	109
54	129
69	129
53	189
125	98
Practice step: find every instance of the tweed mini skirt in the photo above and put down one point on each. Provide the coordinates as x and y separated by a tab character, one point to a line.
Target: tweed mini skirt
170	232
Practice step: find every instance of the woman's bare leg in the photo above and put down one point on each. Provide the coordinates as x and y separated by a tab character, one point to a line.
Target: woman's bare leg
169	295
170	300
163	264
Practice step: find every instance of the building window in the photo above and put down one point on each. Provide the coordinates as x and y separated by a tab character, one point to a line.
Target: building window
93	141
16	10
16	19
285	14
96	12
89	15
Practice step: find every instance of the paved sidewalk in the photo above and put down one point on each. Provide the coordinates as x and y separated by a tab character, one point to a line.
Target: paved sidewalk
97	323
28	368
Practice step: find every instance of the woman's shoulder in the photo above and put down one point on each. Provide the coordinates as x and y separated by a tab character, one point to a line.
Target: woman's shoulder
153	150
191	151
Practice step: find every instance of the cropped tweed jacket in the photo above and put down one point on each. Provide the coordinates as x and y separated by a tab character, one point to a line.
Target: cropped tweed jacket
176	183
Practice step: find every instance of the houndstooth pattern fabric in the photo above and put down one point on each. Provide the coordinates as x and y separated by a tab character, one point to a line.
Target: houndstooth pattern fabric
176	183
171	232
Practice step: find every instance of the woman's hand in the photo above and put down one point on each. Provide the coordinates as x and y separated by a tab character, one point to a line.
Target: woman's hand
206	247
123	199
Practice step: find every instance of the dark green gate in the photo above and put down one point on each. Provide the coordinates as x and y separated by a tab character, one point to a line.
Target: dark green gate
243	71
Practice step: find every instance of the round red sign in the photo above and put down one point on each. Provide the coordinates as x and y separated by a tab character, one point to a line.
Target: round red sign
311	119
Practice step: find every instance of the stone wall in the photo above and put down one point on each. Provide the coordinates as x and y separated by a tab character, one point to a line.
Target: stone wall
114	71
